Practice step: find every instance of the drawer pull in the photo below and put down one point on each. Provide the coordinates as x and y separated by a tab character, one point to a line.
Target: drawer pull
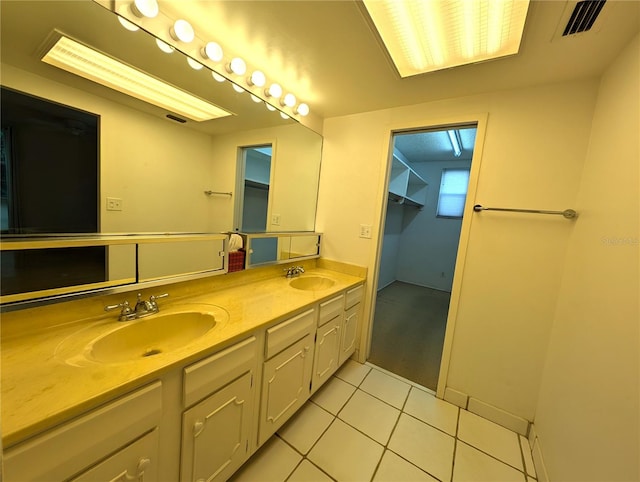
143	464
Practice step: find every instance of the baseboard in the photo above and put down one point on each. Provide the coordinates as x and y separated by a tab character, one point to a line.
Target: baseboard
499	416
457	398
538	461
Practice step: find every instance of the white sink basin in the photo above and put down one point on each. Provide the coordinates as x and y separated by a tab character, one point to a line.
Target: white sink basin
312	283
150	336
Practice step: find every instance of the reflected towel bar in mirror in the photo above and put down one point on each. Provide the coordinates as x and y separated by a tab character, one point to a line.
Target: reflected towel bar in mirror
567	213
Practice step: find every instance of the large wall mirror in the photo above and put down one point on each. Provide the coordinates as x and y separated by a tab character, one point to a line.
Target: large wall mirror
156	174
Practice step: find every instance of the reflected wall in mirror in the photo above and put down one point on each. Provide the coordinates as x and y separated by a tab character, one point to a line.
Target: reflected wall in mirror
274	248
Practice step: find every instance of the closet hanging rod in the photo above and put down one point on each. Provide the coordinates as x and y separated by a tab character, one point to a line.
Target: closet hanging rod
210	193
567	213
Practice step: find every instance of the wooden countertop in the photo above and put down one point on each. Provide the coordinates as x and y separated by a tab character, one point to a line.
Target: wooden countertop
46	379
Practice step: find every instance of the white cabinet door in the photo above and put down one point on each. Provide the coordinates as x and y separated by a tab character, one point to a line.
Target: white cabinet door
285	385
349	332
327	355
215	433
136	462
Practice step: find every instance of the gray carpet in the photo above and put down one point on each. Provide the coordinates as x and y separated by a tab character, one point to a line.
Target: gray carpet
408	331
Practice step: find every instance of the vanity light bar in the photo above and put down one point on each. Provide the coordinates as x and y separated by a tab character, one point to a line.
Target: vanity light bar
86	62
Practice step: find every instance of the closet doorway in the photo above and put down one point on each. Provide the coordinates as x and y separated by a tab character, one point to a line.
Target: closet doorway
427	188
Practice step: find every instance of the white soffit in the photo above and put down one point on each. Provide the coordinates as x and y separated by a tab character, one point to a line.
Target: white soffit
423	36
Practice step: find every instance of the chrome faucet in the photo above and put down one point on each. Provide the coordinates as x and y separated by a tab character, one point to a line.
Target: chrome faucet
293	271
142	308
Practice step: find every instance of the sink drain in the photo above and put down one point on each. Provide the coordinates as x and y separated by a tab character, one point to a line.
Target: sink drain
151	352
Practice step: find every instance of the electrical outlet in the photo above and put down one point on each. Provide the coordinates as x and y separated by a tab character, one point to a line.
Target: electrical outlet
114	204
275	219
365	231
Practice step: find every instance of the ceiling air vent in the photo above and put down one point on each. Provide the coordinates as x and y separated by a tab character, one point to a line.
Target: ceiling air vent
583	16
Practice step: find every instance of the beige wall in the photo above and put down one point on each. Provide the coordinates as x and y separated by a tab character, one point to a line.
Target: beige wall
534	148
588	415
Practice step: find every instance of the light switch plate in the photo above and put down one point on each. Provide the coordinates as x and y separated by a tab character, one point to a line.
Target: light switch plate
365	231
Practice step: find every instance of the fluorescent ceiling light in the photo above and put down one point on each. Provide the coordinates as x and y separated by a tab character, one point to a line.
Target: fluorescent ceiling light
455	142
426	35
81	60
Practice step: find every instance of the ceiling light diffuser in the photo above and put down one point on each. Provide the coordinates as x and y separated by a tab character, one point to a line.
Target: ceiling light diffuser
454	137
86	62
423	36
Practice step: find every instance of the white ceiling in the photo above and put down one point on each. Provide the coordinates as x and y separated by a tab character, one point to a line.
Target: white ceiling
327	54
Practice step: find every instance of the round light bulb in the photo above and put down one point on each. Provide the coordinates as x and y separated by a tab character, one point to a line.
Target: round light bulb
270	107
256	99
237	88
257	78
217	77
145	8
289	100
193	64
131	27
302	109
284	116
237	66
183	31
165	47
212	51
274	90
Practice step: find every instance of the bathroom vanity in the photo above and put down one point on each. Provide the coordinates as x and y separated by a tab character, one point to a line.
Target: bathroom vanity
84	411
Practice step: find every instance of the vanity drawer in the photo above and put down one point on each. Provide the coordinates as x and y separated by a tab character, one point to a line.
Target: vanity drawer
69	448
330	309
208	375
354	296
288	332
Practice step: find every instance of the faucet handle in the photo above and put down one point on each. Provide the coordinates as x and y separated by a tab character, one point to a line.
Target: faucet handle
126	313
153	298
124	305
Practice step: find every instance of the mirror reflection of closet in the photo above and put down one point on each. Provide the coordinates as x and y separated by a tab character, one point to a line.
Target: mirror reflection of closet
255	169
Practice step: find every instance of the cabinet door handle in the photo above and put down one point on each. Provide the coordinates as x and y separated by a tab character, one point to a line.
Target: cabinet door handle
143	464
198	427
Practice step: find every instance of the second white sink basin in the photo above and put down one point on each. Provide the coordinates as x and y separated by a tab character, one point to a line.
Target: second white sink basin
312	283
150	336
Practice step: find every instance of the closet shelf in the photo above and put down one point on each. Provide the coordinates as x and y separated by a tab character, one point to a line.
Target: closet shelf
256	184
406	186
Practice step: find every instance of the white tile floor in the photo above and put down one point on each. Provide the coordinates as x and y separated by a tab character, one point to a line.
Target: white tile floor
366	425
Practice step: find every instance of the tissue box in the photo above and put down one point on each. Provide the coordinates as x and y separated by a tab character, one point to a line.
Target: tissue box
236	260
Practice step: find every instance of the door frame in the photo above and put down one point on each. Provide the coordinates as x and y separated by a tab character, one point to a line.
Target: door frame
480	120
